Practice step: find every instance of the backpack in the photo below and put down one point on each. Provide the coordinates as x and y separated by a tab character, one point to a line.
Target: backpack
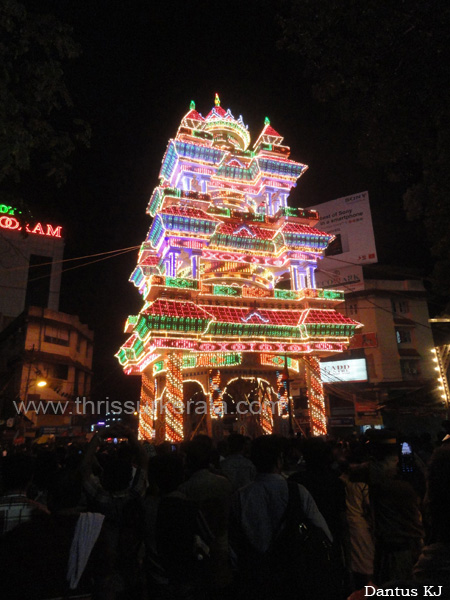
301	562
305	558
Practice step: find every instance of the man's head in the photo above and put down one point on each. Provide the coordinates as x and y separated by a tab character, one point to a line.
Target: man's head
267	454
198	452
236	443
166	471
317	453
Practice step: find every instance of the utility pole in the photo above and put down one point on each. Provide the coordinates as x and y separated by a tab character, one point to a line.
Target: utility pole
27	385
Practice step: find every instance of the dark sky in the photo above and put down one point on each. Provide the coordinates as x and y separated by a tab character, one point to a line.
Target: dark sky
141	64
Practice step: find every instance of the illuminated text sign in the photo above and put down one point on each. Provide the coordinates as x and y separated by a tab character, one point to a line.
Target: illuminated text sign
7	221
344	370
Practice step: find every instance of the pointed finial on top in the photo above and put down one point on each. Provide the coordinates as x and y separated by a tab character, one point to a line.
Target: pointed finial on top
267	121
192	105
217	100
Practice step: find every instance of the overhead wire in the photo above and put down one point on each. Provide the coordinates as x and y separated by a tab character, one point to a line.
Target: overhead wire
118	253
65	260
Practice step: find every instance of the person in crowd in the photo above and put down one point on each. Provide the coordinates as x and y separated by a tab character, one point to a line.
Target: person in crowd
398	529
360	524
16	472
238	469
62	554
175	533
212	494
116	493
431	573
257	517
114	484
324	486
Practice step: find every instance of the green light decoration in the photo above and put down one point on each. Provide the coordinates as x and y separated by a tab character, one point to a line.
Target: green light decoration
149	323
219	360
9	210
189	361
132	319
267	121
217	100
329	330
286	294
193	361
333	295
138	348
181	282
226	290
192	105
219	210
330	294
158	366
290	211
241	243
254	330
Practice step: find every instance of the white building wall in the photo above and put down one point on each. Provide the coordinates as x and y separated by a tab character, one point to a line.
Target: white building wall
15	252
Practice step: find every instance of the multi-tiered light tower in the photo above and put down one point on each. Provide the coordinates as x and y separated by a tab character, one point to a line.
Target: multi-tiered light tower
231	312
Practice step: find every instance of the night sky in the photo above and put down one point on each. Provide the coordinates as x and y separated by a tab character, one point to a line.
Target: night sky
141	64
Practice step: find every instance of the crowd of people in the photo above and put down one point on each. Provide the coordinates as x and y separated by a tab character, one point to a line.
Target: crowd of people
265	518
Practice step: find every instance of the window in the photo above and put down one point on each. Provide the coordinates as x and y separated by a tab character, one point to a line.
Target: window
352	309
403	336
400	306
410	368
56	335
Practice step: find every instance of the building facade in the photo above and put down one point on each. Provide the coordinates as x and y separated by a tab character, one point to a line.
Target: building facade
46	364
399	387
31	264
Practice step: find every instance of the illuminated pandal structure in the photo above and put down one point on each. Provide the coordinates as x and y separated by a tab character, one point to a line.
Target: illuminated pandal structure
227	277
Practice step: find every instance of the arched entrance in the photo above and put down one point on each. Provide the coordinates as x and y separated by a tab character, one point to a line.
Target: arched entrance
196	409
248	406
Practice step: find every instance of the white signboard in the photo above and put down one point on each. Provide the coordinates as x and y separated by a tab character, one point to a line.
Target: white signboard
347	278
350	220
338	371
